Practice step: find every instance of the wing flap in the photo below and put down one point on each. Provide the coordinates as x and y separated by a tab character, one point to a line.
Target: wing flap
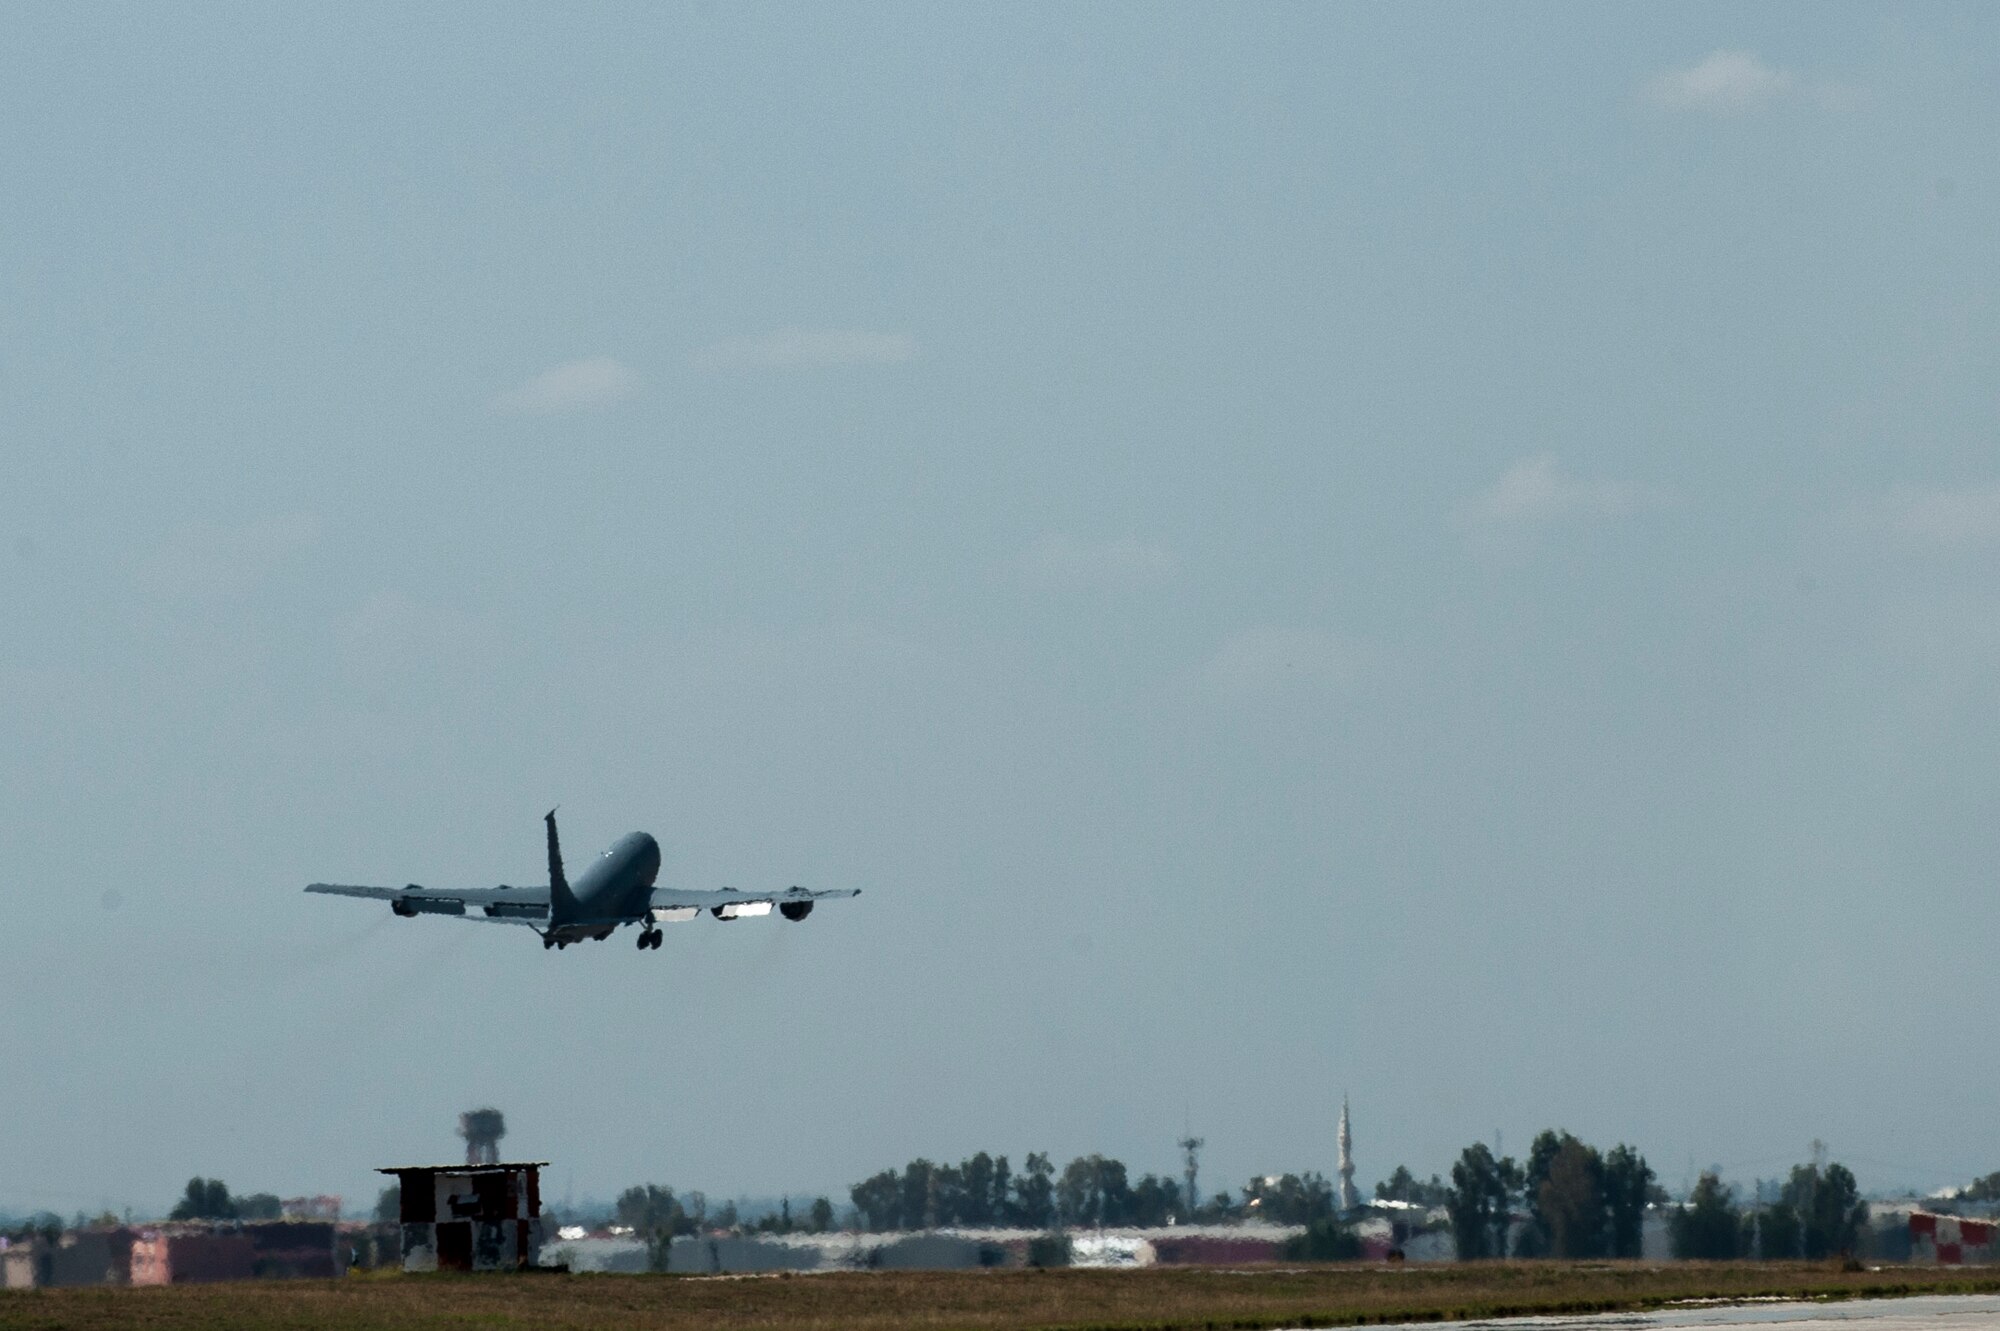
503	905
673	903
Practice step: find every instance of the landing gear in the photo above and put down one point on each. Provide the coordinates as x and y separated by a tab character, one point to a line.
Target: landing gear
548	941
650	938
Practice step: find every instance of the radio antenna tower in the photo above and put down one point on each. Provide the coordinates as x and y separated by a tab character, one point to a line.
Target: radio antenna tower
1191	1152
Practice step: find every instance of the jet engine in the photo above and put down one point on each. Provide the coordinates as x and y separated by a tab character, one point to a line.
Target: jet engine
795	910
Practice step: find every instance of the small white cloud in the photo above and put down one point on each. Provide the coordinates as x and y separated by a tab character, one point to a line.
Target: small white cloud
1267	660
569	387
1064	561
1536	492
806	348
1721	83
1957	518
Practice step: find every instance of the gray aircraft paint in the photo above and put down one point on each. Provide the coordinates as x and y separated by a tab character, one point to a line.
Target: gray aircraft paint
615	889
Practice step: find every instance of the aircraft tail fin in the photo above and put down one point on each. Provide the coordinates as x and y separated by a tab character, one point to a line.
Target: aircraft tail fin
562	902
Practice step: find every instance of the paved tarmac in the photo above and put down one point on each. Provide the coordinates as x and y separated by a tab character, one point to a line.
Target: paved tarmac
1969	1312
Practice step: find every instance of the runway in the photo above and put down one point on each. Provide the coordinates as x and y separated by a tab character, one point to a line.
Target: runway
1969	1312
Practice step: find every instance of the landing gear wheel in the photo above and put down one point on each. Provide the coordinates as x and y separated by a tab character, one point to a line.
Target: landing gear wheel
547	942
652	938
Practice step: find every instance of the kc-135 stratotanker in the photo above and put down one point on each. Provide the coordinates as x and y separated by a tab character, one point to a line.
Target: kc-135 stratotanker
617	889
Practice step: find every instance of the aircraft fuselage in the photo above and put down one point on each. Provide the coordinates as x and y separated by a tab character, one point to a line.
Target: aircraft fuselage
616	888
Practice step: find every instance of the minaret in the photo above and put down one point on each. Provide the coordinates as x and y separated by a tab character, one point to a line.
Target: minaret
1348	1199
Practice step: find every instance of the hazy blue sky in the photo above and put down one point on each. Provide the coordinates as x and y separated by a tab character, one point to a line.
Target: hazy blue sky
1443	553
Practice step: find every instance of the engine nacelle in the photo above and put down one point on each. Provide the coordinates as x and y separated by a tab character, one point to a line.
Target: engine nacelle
795	910
403	907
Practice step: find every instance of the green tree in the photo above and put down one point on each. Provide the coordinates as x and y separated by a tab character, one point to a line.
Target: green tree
650	1207
879	1199
1114	1192
1709	1228
1818	1213
44	1225
1628	1183
1000	1193
1833	1213
976	1191
1568	1201
205	1199
1076	1194
1779	1233
949	1201
1325	1240
822	1215
1403	1186
1155	1201
1093	1191
1290	1199
1983	1189
1034	1192
655	1216
1482	1194
919	1199
259	1206
780	1223
1539	1238
389	1204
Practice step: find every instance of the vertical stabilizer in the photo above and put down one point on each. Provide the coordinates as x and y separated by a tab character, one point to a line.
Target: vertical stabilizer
562	902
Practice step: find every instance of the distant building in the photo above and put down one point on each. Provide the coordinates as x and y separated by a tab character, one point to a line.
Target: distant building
91	1257
192	1254
186	1254
177	1253
922	1250
310	1208
1949	1240
485	1217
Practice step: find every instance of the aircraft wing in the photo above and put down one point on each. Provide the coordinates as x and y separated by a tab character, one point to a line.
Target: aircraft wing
795	903
500	905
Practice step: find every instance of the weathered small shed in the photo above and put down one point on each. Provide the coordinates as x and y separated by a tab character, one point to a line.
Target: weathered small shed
1949	1240
470	1217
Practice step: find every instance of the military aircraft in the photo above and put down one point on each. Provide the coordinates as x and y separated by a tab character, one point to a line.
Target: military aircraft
617	889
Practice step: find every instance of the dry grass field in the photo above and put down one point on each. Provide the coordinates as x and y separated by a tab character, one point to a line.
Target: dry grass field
1156	1299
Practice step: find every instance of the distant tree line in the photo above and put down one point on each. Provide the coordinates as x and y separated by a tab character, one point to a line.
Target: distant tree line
1403	1186
1819	1213
1091	1191
1579	1201
658	1216
209	1199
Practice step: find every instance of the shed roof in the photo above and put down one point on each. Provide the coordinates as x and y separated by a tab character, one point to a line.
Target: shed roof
501	1168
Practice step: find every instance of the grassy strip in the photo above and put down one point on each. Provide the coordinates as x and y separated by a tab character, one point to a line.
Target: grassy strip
1159	1299
1708	1283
